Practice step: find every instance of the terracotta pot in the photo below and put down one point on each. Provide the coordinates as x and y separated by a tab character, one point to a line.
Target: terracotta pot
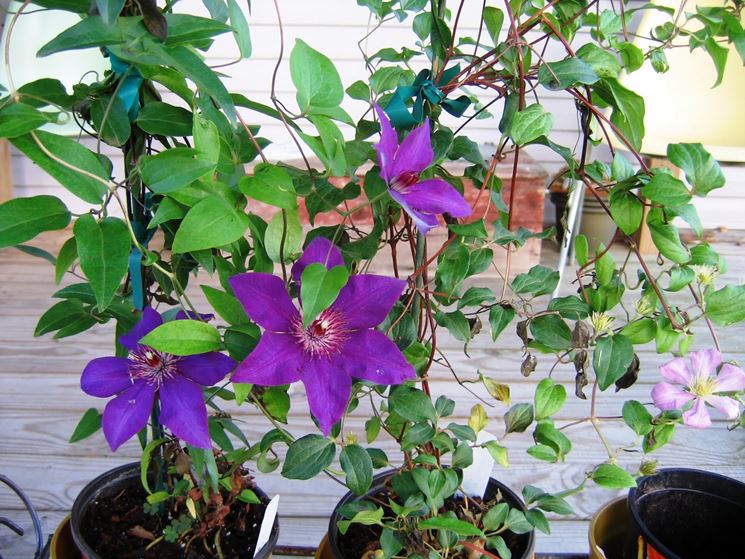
608	530
328	549
62	546
112	483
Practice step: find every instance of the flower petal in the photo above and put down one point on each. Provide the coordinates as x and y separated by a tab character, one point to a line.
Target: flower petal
387	146
436	196
728	406
127	414
367	299
698	415
183	411
704	363
415	153
371	355
423	221
150	320
677	371
328	389
320	250
265	298
668	397
206	368
276	360
730	379
105	376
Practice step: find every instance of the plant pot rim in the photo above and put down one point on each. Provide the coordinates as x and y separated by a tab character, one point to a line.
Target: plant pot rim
96	486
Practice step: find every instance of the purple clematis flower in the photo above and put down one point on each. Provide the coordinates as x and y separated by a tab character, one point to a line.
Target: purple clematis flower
145	373
700	386
400	166
340	344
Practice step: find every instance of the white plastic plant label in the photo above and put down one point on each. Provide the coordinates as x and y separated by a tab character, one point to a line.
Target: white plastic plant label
266	525
476	476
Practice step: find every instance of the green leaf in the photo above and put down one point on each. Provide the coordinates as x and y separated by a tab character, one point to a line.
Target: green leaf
518	418
611	476
632	56
494	19
358	467
581	249
91	31
628	109
212	222
666	190
499	318
359	90
168	209
111	120
315	77
627	210
226	305
499	453
292	237
188	29
551	331
163	119
456	323
103	248
319	288
539	280
270	184
666	238
718	54
183	337
173	169
530	123
549	398
636	416
702	171
17	119
604	63
726	306
611	358
67	317
72	153
412	404
88	424
240	28
640	331
517	522
68	253
145	459
604	266
460	527
109	9
364	517
21	219
565	74
570	307
308	456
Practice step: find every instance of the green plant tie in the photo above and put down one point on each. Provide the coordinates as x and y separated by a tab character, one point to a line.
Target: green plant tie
424	88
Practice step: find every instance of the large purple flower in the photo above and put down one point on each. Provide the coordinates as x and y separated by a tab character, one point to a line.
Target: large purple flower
701	386
400	166
145	373
339	345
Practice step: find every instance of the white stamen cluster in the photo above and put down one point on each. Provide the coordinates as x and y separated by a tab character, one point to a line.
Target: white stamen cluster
324	336
152	366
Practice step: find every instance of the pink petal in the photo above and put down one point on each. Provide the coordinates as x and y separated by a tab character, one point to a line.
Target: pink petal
265	298
127	414
105	376
668	397
276	360
371	355
704	363
415	153
183	411
436	196
387	146
677	371
728	406
698	415
320	250
149	321
206	368
730	379
423	221
328	391
367	299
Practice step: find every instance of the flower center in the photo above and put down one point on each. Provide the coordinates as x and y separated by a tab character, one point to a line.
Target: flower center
404	181
324	336
152	366
703	386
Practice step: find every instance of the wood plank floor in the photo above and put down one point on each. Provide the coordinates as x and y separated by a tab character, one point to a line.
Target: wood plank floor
40	404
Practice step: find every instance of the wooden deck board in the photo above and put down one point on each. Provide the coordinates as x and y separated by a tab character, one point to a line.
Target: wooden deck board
40	404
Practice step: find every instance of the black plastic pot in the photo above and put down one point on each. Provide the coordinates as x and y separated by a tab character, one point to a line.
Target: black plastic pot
682	513
113	482
379	485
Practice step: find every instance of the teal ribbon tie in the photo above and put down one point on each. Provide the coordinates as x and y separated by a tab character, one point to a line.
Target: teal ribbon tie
129	90
424	88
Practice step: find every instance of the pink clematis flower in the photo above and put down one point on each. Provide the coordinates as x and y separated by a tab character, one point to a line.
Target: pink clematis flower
701	386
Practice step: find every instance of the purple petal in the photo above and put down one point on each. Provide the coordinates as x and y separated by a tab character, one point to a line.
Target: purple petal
668	397
206	368
182	315
729	379
387	146
150	321
105	376
435	196
328	391
320	250
677	371
127	414
415	153
370	355
728	406
698	415
183	411
424	222
367	299
265	298
704	363
276	360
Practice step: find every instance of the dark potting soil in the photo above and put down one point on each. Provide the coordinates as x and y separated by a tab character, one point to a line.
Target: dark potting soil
111	527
